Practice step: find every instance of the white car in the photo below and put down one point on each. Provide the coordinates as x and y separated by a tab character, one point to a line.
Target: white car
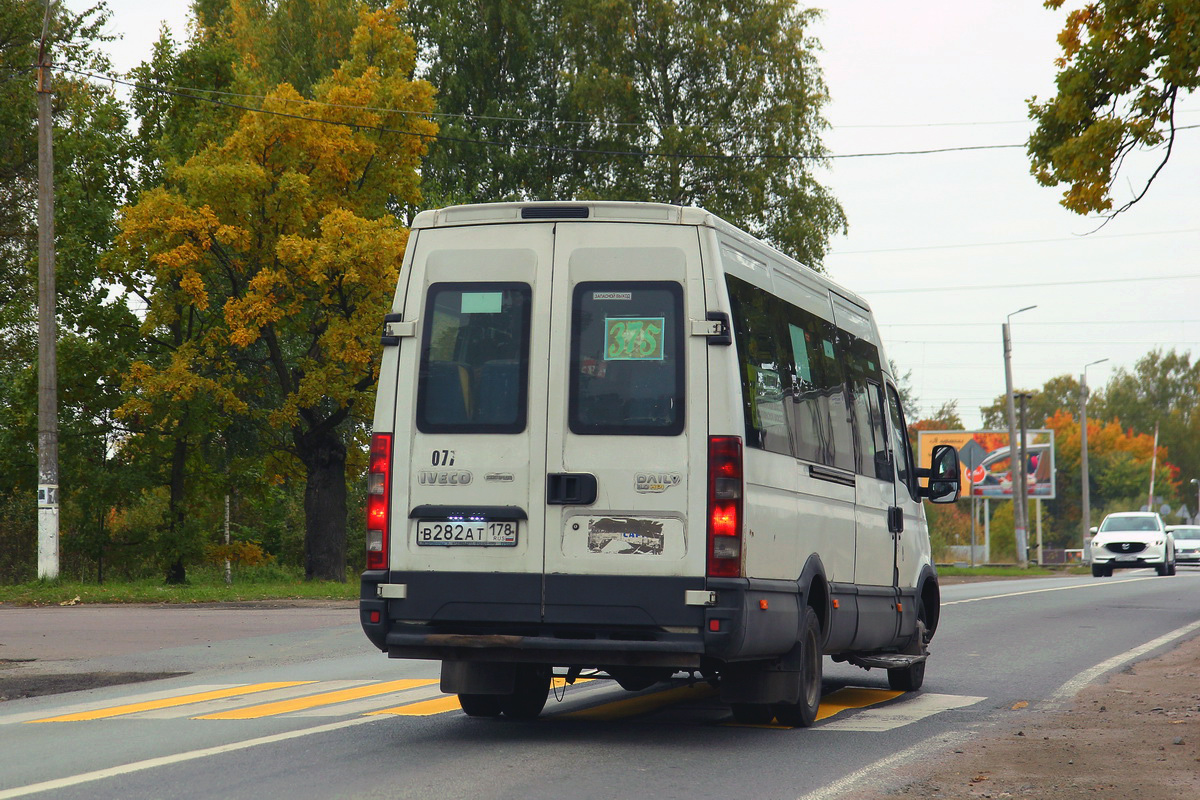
1187	542
1132	539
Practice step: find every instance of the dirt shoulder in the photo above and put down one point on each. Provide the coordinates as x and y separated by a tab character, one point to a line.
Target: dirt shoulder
1134	737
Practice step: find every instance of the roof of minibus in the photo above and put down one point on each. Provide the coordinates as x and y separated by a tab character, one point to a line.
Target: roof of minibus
610	211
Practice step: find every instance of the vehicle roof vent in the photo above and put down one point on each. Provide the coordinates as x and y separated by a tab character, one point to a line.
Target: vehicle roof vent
554	212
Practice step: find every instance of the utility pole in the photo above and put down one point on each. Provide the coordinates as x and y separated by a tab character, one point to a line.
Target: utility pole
1153	469
47	325
1019	522
1085	487
1023	490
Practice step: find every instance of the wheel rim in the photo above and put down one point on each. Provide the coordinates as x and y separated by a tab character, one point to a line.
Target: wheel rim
812	670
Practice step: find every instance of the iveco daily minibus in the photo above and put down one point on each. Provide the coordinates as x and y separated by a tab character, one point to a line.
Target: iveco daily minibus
632	439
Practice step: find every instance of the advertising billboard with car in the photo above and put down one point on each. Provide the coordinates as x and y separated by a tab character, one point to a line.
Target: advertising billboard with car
987	465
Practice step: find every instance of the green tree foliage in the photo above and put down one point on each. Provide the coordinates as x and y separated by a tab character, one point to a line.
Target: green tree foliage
1164	388
943	418
1124	66
268	261
703	102
1061	392
96	334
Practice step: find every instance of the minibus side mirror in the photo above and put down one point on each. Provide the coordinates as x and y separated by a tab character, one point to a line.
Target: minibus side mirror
943	473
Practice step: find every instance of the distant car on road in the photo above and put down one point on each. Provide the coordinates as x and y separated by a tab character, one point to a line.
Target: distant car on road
1187	543
1132	539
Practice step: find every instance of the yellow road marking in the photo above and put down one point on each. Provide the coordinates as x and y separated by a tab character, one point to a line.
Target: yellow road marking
438	705
643	704
314	700
169	702
844	699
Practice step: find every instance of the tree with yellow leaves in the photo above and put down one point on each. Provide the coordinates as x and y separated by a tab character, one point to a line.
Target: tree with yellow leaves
1125	64
269	259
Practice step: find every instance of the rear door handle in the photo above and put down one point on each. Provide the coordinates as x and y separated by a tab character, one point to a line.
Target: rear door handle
570	489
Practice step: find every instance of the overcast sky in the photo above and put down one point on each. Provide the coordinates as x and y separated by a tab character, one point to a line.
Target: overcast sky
930	235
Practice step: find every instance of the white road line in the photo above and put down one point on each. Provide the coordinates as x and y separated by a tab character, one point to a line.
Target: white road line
866	775
1072	687
96	705
1039	591
178	758
898	714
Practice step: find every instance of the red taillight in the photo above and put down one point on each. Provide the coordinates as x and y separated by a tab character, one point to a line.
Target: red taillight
379	490
724	507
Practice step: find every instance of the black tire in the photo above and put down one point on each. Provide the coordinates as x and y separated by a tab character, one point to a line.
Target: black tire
803	712
753	713
1099	571
529	695
480	705
1163	569
907	679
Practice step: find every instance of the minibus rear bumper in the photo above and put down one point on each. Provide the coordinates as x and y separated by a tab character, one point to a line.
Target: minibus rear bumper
581	620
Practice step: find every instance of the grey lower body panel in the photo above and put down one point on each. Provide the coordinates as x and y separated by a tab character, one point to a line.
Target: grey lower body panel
616	620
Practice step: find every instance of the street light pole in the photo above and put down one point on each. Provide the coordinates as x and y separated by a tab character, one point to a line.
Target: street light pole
1019	521
1085	486
1196	519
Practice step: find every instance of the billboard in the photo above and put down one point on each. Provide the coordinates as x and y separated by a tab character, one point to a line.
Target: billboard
986	465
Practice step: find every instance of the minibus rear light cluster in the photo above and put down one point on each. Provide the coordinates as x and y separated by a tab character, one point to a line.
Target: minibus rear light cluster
724	506
379	485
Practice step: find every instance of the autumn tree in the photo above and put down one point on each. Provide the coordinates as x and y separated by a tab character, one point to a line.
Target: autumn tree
702	102
1124	66
1163	389
275	247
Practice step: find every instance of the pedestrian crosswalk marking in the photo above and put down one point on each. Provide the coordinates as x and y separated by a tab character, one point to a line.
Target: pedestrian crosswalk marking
918	707
853	697
236	701
322	699
199	697
643	704
439	705
423	697
370	704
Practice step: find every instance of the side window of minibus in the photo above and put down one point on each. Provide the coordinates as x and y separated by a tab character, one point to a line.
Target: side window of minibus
905	469
866	391
765	375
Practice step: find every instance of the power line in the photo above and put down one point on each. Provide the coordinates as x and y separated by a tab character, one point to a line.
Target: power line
1079	238
1039	284
529	146
1069	343
1090	322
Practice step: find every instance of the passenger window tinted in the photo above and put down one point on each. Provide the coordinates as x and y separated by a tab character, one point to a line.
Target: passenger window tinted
781	345
866	392
627	370
905	469
474	358
768	374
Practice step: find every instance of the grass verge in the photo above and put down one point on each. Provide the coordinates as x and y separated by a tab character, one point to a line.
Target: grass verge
203	586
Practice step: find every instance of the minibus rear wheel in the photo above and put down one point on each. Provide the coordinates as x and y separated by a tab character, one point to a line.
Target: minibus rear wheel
480	705
803	712
529	693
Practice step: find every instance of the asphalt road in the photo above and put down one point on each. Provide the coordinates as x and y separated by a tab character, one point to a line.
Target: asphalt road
284	703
